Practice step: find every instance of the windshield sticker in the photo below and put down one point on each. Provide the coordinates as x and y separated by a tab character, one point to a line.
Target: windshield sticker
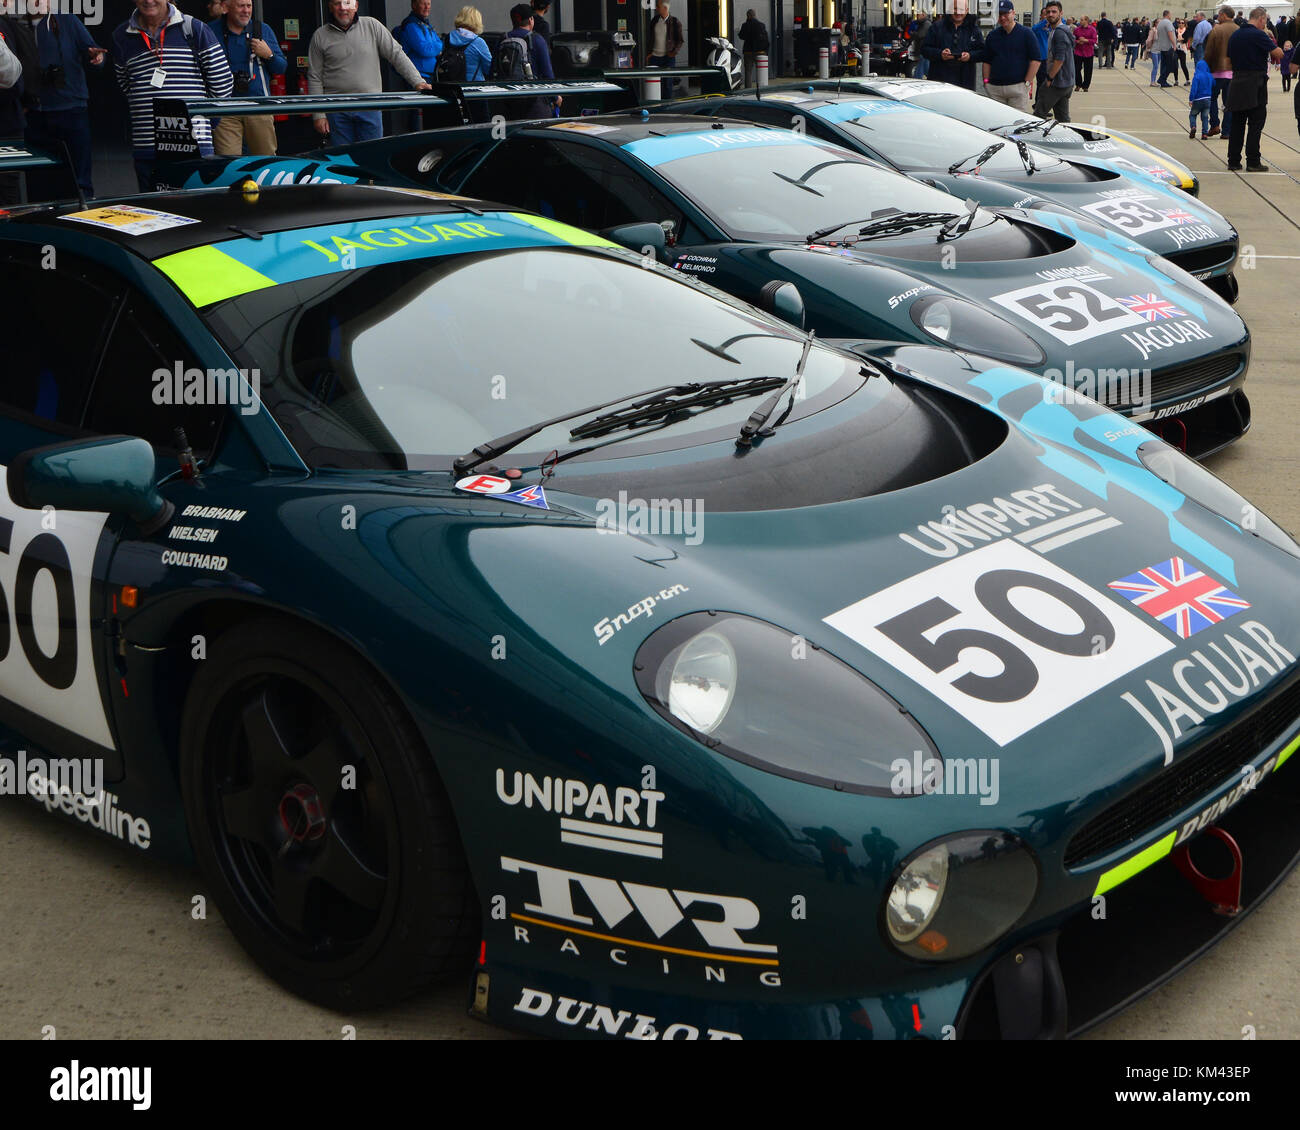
484	484
218	271
585	127
129	220
655	151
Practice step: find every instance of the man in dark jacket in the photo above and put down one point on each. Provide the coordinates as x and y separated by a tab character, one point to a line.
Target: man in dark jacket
541	25
1250	50
952	46
1011	59
666	40
539	55
1106	42
753	35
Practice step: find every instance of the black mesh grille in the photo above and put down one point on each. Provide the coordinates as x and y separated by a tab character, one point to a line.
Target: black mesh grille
1186	380
1202	258
1199	774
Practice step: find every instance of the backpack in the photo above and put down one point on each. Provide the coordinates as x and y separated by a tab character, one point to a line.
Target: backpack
512	61
451	63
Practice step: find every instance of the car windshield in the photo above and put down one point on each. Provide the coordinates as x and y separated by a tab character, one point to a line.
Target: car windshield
918	140
971	108
783	192
407	365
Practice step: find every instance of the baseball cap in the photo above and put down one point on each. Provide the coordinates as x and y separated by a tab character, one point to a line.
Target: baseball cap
1006	6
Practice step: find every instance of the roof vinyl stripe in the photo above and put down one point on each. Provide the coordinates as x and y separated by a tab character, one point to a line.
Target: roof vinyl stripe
207	274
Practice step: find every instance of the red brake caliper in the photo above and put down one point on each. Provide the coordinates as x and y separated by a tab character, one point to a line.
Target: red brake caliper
1223	895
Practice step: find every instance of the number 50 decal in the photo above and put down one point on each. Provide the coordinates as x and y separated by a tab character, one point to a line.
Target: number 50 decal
46	665
1005	637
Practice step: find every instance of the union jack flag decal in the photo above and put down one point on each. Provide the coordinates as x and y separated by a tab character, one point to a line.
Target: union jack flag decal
1181	597
1180	216
1150	307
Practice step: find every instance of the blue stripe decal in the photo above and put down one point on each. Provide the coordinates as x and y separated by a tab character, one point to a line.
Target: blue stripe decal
308	252
655	151
851	111
1095	469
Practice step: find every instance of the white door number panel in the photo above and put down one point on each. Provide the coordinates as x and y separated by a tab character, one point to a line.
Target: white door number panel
1071	311
1131	214
46	662
1005	637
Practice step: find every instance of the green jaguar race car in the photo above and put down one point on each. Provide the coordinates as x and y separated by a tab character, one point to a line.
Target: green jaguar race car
873	253
1124	152
436	576
946	153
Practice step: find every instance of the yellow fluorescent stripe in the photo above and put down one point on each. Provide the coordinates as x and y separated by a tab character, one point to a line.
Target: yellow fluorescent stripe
645	945
574	236
1287	752
1130	867
208	274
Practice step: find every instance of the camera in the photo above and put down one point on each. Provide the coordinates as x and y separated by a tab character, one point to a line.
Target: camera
53	75
242	80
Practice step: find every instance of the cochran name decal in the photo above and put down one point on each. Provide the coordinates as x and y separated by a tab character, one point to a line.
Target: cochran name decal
608	822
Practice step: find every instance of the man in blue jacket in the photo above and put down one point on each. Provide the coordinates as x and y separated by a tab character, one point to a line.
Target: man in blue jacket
56	108
521	15
253	52
422	46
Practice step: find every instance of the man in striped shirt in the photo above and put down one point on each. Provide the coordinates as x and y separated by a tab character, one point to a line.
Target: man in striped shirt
159	52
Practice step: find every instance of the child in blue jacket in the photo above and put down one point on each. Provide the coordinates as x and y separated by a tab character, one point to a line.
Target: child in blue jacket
1198	98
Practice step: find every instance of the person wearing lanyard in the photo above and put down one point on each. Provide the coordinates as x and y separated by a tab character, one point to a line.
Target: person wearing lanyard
250	56
57	113
160	51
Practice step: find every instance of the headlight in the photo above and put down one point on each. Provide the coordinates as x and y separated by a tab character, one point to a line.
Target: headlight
762	696
954	897
1200	485
963	325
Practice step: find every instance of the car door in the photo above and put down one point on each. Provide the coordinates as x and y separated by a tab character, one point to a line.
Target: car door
52	659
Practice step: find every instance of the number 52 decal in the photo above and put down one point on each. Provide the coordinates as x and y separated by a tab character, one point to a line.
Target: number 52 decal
46	662
1005	637
1069	310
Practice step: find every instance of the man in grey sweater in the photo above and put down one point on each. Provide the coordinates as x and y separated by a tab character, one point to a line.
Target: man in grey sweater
344	59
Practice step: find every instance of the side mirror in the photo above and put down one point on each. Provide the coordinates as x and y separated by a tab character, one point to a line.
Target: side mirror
784	300
638	237
114	474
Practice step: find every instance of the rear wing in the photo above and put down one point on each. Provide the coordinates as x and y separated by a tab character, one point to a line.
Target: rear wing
174	138
15	158
608	90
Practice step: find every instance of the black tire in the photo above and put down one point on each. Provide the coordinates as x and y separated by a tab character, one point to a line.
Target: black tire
350	897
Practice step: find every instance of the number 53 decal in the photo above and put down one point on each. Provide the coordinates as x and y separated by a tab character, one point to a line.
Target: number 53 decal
46	662
1005	637
1070	311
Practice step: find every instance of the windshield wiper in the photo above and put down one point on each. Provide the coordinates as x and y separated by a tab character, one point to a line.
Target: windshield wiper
1028	126
759	417
499	446
667	404
1027	157
896	221
959	225
979	158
